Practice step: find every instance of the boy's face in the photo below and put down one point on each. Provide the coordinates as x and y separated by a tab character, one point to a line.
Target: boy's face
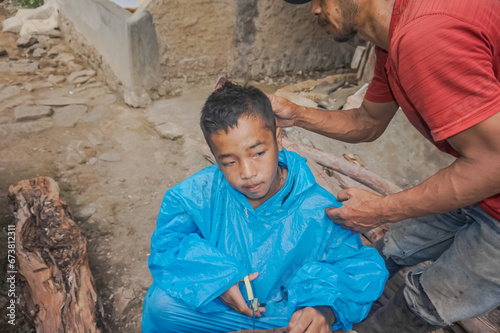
247	155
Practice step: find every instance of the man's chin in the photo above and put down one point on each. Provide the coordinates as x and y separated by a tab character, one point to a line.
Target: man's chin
345	37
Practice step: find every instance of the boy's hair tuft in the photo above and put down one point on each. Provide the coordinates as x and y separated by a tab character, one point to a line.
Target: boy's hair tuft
229	103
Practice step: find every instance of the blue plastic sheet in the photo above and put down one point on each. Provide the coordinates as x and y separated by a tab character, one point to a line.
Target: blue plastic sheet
209	237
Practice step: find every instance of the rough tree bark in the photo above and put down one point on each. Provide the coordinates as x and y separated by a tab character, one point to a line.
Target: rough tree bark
58	291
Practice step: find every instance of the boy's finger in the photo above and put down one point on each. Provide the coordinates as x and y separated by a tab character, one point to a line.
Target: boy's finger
253	276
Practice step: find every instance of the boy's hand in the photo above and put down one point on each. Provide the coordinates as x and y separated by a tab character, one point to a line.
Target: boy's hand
233	298
284	111
318	319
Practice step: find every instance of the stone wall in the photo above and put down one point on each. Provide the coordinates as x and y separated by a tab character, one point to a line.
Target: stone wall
167	45
200	40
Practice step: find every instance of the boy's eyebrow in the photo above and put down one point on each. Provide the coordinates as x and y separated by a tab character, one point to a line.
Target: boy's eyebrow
258	143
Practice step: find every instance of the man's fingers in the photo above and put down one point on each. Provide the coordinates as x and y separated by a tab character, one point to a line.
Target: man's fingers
297	324
294	320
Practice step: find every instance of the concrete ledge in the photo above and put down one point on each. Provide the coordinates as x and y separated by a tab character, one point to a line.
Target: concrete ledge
126	43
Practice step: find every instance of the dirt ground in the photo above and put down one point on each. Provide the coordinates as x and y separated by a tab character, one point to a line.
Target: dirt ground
112	162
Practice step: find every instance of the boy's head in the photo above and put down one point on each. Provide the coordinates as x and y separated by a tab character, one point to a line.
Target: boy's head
239	126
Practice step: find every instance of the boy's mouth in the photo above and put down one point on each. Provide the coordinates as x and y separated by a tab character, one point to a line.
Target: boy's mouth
253	187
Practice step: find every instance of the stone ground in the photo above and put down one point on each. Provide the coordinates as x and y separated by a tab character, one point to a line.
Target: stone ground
114	163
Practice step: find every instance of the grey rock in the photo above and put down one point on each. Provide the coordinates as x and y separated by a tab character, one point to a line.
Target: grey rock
24	67
53	33
56	79
128	293
110	157
39	26
103	100
136	99
80	76
3	52
42	13
61	101
69	115
29	87
19	100
4	66
87	86
8	92
38	53
31	112
170	131
26	41
94	139
38	45
90	93
12	24
64	58
56	50
48	63
96	114
25	128
72	66
87	212
4	120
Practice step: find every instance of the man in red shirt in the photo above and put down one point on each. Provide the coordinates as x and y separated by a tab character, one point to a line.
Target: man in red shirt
440	62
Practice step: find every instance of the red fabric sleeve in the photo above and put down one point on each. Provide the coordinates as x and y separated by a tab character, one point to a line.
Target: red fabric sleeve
379	90
445	68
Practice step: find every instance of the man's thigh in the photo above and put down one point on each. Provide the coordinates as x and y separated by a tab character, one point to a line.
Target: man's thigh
464	281
413	241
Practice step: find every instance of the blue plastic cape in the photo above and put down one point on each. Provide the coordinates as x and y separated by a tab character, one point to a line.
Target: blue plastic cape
209	237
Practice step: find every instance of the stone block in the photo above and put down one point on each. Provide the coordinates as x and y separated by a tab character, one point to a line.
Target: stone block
69	115
26	41
12	24
31	112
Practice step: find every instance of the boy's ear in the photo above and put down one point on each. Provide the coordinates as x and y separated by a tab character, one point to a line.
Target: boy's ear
279	138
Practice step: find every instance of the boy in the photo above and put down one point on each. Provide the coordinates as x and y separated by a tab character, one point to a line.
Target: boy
257	213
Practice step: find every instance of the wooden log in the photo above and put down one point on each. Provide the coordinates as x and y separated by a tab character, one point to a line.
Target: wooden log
354	171
58	289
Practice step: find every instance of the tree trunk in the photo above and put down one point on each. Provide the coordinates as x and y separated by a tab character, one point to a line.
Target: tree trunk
58	289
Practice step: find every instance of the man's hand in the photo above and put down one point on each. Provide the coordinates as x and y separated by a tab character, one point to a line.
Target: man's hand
233	298
361	210
318	319
284	110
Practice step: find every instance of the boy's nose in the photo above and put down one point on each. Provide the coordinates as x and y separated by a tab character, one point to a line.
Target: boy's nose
248	170
315	7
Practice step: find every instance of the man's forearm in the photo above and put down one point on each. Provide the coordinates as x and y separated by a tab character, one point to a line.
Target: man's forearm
344	125
362	124
461	184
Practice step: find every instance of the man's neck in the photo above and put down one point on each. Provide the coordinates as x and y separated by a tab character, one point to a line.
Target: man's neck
374	20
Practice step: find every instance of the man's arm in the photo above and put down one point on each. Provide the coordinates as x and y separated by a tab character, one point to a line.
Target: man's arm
471	178
363	124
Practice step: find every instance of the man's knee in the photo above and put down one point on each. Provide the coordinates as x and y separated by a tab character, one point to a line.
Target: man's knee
390	264
418	300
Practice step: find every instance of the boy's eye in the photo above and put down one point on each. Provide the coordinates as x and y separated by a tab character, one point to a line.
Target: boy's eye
228	163
260	153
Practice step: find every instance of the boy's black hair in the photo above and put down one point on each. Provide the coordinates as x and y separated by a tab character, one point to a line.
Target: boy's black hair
227	104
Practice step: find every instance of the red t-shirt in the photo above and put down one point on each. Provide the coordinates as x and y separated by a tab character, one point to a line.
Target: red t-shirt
443	68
